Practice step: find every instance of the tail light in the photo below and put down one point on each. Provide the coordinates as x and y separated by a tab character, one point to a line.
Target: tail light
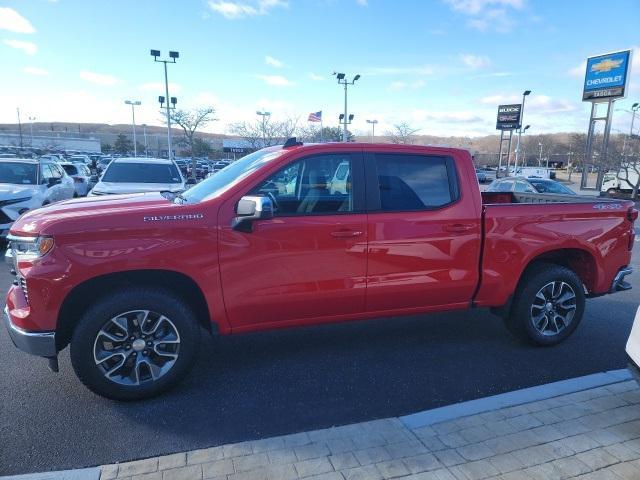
632	214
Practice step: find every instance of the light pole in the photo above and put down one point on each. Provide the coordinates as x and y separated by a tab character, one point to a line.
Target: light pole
31	120
373	128
173	56
264	116
343	81
522	132
524	96
144	132
133	104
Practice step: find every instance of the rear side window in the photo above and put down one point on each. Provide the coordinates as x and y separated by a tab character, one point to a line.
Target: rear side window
70	169
415	182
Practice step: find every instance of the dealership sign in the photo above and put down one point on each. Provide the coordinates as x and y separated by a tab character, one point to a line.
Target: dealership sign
508	117
607	76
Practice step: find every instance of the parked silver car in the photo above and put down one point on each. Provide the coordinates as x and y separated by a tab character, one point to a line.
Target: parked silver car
81	176
138	175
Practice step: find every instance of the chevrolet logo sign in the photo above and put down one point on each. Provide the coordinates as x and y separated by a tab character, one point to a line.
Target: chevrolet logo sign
605	65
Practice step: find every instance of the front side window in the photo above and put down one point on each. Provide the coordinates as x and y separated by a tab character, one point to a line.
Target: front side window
313	185
142	172
415	182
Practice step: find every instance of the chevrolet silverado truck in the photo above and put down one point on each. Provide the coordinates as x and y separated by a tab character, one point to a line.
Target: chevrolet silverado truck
300	235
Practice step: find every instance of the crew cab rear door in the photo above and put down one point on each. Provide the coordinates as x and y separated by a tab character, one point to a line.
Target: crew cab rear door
308	263
424	232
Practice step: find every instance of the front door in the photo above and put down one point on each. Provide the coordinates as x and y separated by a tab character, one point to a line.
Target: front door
307	264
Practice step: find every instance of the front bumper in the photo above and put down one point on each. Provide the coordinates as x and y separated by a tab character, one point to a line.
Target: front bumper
42	344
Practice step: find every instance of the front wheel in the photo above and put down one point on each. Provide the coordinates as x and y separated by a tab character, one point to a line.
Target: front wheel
547	306
134	344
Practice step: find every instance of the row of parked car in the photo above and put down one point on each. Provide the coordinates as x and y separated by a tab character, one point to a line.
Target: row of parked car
27	183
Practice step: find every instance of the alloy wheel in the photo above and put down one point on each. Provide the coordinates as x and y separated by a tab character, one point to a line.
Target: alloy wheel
136	347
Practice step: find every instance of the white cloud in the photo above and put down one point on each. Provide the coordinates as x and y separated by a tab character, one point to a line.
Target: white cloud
362	3
14	22
534	103
487	15
417	70
464	116
40	72
159	87
29	48
316	78
274	62
579	70
474	61
401	85
276	80
99	78
476	7
250	8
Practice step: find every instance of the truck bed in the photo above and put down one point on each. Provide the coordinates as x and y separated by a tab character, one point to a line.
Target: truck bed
592	235
493	198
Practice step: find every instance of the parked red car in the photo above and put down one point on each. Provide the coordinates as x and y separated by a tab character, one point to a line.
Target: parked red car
301	235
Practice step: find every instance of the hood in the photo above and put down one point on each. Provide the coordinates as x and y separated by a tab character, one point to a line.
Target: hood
10	191
119	187
88	213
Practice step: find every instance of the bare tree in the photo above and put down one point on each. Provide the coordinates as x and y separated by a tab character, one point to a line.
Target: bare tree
259	134
190	121
403	133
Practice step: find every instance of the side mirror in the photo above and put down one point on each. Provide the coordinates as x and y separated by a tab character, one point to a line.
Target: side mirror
249	209
53	181
191	181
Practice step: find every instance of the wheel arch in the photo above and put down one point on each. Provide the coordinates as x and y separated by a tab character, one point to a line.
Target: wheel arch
579	260
87	292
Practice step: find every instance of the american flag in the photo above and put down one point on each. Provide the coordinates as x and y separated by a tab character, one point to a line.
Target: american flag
315	117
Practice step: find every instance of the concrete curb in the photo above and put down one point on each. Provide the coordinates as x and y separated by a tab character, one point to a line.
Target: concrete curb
517	397
78	474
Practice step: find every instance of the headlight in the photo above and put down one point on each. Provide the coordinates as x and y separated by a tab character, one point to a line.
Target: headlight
29	248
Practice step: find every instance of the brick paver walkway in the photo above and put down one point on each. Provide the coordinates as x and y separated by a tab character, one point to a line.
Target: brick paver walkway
593	434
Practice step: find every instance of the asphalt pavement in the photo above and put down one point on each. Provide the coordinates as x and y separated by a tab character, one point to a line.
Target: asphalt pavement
261	385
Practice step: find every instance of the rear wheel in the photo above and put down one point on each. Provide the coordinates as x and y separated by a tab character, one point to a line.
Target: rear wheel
548	305
134	344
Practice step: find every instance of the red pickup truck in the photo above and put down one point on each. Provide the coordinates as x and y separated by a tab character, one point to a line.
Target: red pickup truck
300	235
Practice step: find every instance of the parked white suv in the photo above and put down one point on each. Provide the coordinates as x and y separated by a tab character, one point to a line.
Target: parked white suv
138	175
26	184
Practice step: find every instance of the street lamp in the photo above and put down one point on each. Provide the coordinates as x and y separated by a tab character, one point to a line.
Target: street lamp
373	128
173	56
524	95
31	120
144	132
540	156
343	81
133	104
264	116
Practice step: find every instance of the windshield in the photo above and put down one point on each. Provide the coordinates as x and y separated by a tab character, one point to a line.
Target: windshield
551	187
18	173
230	175
139	172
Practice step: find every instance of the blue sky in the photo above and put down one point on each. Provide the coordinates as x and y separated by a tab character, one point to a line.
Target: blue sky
440	65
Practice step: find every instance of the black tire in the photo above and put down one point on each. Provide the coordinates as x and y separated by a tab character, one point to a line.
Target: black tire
159	300
520	320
